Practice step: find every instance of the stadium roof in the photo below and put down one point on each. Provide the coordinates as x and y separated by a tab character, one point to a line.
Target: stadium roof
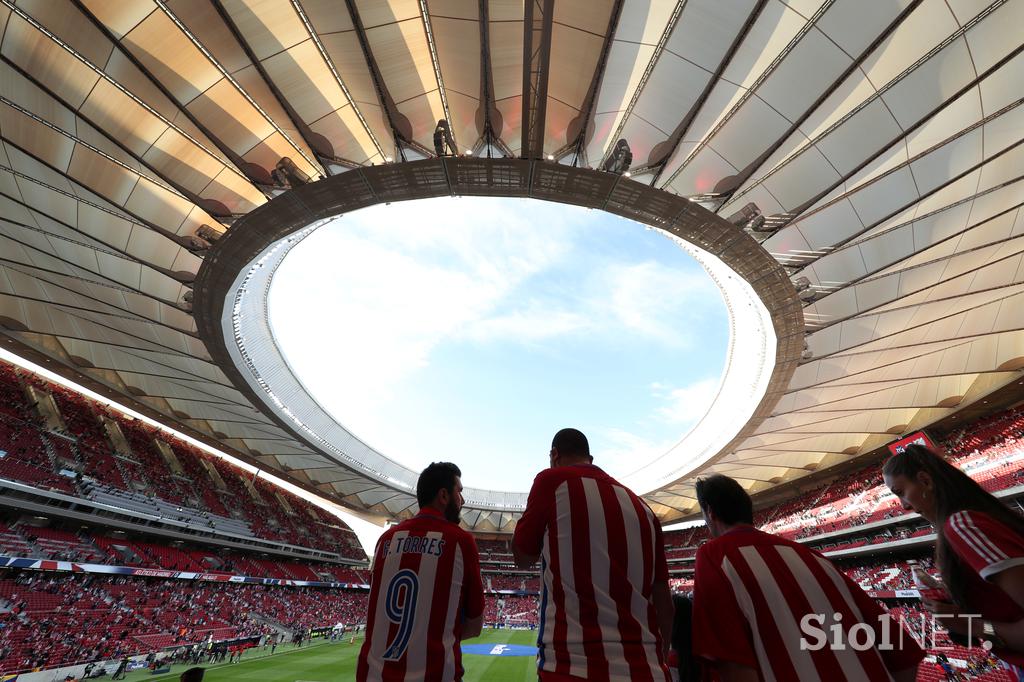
881	143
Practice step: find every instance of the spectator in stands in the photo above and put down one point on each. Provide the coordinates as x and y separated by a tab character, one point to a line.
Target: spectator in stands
607	610
426	578
979	549
753	590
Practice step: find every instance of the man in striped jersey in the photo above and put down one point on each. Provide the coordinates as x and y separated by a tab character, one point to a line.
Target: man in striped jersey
766	608
426	594
606	609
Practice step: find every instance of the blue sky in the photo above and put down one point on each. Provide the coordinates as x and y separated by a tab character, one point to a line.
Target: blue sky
471	329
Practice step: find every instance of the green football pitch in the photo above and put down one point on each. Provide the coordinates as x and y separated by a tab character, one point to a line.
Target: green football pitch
336	661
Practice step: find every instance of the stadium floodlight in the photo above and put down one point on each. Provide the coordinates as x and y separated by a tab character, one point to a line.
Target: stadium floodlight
808	295
551	157
620	160
287	174
750	218
196	244
208	233
444	145
743	216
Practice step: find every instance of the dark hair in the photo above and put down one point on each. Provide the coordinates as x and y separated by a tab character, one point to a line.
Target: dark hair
571	443
435	478
192	675
955	491
726	499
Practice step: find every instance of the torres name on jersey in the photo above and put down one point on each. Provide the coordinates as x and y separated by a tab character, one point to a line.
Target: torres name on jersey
426	583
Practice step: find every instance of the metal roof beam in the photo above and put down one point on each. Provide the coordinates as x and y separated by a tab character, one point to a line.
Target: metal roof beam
296	120
160	178
905	132
238	164
677	136
856	64
538	21
489	138
169	13
387	102
578	144
129	215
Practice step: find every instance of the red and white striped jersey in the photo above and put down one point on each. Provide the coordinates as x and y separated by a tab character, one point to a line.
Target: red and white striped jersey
602	551
774	605
426	583
987	547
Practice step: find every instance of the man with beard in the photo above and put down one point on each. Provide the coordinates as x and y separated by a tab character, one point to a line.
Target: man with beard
426	594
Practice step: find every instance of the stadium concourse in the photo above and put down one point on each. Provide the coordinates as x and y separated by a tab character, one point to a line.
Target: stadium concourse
181	562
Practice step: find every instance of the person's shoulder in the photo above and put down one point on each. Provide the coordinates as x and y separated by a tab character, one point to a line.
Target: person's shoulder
743	537
967	518
549	475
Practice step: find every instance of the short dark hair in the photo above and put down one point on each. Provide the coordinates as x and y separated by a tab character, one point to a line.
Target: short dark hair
571	443
435	478
726	499
192	675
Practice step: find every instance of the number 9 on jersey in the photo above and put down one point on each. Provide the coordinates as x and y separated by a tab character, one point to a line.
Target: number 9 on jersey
400	606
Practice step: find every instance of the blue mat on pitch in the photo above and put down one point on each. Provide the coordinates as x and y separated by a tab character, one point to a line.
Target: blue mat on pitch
499	649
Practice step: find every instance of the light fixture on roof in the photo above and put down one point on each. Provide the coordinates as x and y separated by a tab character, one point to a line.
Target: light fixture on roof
750	218
620	159
809	294
287	174
200	241
551	157
444	145
807	353
208	233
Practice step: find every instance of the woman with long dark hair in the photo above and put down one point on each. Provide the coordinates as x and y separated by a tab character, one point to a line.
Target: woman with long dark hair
979	550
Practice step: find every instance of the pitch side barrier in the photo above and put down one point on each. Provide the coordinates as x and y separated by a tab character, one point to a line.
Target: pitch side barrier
28	564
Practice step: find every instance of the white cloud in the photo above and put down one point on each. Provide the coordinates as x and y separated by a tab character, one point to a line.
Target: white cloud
686	405
361	307
621	452
534	323
643	296
380	291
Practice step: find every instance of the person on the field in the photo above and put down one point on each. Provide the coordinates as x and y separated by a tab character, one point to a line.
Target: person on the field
426	594
122	670
606	608
979	550
768	608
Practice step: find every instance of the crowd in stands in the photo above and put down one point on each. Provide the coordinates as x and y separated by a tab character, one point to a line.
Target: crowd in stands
83	449
992	454
22	540
49	619
951	661
511	610
56	618
517	582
